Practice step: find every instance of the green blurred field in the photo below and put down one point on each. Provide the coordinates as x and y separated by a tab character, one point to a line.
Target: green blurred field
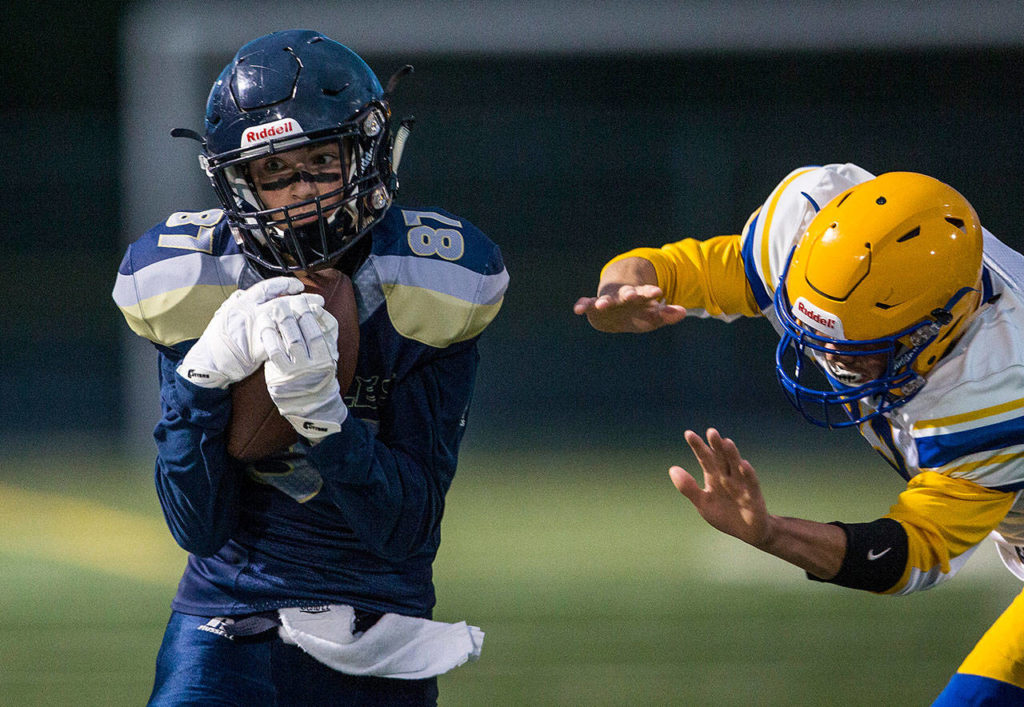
594	581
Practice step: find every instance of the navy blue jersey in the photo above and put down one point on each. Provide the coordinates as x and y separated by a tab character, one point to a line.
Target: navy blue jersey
356	519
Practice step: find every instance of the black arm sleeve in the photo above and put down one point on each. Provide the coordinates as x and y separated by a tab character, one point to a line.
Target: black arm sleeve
876	555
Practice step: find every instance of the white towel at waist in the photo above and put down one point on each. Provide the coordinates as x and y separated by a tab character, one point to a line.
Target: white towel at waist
395	647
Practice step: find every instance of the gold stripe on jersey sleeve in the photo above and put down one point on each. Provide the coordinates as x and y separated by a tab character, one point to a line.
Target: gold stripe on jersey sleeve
945	517
177	315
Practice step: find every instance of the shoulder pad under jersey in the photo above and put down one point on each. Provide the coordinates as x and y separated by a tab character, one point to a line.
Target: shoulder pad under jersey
174	277
968	420
441	279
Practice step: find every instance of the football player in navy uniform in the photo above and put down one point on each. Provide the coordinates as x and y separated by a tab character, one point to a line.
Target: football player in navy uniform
914	316
308	578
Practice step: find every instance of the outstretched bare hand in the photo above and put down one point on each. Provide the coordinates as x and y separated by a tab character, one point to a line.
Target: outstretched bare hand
731	499
630	308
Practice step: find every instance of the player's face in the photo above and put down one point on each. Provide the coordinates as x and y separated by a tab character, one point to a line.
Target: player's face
856	369
299	175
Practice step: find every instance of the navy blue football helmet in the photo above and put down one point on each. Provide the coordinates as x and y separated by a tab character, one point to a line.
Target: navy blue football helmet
299	90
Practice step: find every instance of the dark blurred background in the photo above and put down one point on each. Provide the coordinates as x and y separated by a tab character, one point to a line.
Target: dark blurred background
567	132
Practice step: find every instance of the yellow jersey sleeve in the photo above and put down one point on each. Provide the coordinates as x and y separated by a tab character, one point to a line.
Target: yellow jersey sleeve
727	277
706	277
945	519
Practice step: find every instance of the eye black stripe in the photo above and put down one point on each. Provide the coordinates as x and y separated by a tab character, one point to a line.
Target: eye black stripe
321	178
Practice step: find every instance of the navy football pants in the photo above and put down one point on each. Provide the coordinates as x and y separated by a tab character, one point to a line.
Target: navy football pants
198	667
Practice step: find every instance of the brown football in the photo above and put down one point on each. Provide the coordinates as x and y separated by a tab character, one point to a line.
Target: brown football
256	429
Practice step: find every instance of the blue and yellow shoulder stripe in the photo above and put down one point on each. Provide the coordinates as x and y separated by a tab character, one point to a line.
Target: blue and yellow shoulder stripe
173	278
985	445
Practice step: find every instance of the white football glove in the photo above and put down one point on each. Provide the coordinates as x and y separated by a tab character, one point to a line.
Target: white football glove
229	349
301	341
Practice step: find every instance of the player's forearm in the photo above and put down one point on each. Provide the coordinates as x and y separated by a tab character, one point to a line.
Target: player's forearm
196	482
201	509
818	548
628	271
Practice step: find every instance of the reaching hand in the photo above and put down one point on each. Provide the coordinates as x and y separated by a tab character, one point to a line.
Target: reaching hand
731	499
301	341
630	308
228	349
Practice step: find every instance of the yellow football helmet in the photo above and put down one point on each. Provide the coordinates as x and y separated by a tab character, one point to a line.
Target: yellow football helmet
890	269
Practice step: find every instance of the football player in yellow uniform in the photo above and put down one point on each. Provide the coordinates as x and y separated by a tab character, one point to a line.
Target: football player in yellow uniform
900	315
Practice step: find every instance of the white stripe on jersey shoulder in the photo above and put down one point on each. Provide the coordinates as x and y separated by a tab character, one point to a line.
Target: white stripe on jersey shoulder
968	421
435	302
172	300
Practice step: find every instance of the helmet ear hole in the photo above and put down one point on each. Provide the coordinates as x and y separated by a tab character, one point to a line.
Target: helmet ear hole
942	316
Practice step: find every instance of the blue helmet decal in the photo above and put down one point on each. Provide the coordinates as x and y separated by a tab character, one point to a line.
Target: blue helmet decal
264	78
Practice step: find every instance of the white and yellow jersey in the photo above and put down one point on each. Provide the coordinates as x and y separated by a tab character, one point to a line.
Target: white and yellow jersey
959	442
